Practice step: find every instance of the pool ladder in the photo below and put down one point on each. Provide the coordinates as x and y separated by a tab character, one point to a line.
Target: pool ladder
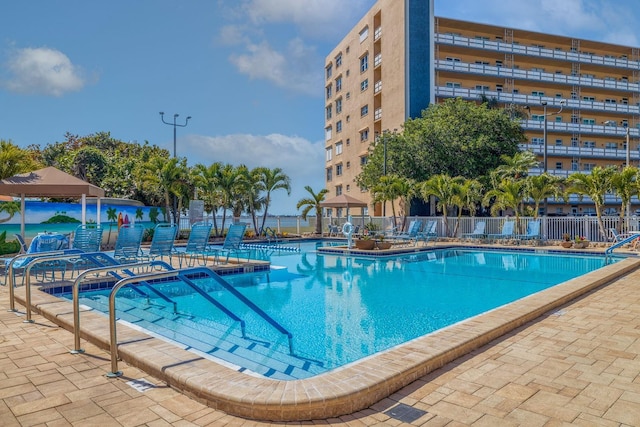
609	250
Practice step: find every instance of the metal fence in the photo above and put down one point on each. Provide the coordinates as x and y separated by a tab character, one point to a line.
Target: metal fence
551	228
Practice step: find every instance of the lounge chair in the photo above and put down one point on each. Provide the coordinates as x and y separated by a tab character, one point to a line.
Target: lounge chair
128	243
618	237
88	238
164	237
478	231
196	245
48	243
410	235
506	233
23	244
533	231
430	232
232	244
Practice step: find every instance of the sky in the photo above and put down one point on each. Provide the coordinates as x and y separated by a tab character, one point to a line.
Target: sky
248	72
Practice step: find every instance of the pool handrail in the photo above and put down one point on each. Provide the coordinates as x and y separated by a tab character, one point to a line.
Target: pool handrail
10	269
181	274
610	249
111	269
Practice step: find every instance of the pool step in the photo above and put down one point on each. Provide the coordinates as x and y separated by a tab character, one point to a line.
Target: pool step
222	341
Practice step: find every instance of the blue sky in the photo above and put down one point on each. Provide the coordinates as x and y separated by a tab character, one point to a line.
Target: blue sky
249	72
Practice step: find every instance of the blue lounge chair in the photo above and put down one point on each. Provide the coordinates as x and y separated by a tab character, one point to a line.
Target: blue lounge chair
196	245
506	233
478	231
410	235
88	238
618	237
533	231
23	244
232	244
430	232
164	236
128	243
50	243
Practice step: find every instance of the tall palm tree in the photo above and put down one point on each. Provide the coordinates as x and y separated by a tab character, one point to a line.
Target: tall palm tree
540	187
446	190
170	176
508	194
388	189
516	166
625	185
313	203
271	180
207	181
594	185
470	194
14	160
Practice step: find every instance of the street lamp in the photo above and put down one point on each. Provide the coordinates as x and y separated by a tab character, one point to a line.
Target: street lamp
544	140
174	124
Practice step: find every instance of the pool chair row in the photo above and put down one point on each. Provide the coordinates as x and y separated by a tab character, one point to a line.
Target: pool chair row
507	232
415	233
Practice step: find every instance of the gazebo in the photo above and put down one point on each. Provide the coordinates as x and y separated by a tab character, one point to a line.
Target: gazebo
344	201
48	182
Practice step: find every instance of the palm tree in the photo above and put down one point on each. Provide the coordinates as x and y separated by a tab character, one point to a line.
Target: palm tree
540	187
313	203
625	185
139	214
595	186
14	160
470	194
170	176
508	194
207	180
516	166
390	188
11	208
446	190
271	180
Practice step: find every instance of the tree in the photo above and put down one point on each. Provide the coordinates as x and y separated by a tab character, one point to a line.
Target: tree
457	138
447	191
625	185
542	187
469	196
516	166
207	181
595	186
508	194
14	160
313	203
271	180
169	175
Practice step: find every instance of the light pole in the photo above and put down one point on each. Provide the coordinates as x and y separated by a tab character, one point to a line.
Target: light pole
174	124
544	140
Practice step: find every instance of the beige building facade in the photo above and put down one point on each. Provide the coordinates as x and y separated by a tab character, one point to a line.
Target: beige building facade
400	58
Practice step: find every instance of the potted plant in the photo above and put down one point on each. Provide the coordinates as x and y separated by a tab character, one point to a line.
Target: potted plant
365	242
566	241
580	242
381	244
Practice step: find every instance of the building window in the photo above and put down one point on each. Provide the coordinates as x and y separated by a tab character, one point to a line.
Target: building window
338	148
338	84
482	87
558	119
537	117
588	166
339	169
329	70
364	34
364	110
338	60
537	93
537	141
348	165
364	135
364	85
338	105
574	141
454	84
611	145
559	165
588	98
338	190
558	142
327	133
339	126
588	121
328	91
329	174
328	112
329	154
364	63
363	160
589	144
348	142
348	188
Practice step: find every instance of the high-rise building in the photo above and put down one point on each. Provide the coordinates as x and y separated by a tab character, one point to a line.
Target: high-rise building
582	96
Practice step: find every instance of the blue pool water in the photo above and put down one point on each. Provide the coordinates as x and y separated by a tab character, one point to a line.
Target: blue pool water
340	309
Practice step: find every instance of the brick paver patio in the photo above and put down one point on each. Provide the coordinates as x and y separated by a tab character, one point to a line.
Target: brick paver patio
579	365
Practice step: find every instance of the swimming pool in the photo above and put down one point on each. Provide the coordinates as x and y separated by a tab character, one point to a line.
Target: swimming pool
341	309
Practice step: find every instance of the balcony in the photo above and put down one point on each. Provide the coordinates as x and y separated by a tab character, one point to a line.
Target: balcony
583	152
538	76
511	98
516	49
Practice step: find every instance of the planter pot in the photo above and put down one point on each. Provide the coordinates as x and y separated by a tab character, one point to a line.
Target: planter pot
383	245
581	245
566	244
365	244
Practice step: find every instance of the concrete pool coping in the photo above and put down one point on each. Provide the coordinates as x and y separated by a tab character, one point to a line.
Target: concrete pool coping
338	392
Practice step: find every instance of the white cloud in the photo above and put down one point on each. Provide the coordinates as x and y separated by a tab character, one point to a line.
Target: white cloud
297	68
43	71
301	159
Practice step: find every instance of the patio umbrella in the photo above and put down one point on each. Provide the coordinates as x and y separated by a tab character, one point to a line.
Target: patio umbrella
48	182
344	201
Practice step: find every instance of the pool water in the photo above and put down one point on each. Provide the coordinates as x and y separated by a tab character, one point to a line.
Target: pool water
340	309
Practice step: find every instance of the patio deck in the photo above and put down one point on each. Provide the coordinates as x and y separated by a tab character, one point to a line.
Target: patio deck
575	364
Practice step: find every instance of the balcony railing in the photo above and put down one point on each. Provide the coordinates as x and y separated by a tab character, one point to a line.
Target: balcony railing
504	47
539	76
583	152
516	98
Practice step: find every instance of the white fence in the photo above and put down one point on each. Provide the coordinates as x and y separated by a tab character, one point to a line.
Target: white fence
551	228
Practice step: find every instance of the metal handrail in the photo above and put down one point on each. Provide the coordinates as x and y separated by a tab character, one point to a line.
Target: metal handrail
181	274
35	255
609	250
112	271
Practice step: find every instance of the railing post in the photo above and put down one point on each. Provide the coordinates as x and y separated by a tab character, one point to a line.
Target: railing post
298	225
